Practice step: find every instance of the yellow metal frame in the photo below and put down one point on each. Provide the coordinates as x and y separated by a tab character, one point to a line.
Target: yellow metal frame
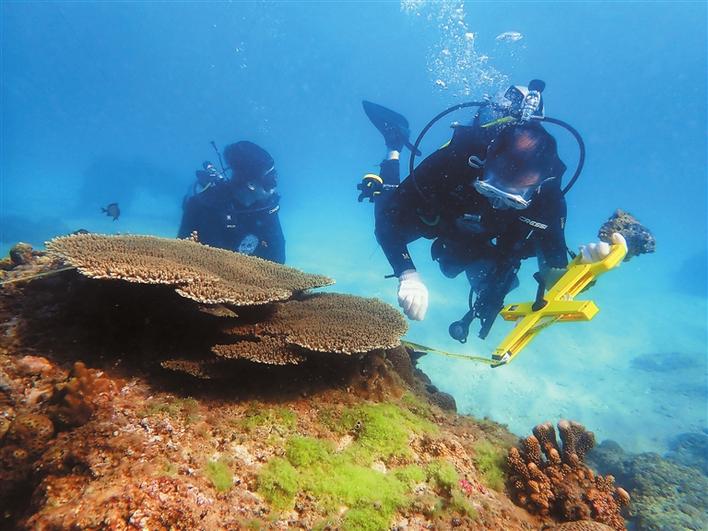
559	307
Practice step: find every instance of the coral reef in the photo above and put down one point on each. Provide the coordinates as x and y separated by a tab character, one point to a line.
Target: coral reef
38	400
349	441
580	525
267	350
332	322
639	239
325	322
665	494
560	486
198	272
691	450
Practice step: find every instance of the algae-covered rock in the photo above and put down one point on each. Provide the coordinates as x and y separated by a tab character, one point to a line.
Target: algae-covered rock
639	239
691	450
21	254
665	494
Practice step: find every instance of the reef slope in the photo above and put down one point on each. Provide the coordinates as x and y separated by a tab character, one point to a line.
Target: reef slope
96	434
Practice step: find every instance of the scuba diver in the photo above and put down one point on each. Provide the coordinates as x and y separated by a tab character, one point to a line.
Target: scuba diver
239	213
489	198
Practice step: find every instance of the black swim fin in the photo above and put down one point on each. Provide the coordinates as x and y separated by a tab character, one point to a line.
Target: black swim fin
393	126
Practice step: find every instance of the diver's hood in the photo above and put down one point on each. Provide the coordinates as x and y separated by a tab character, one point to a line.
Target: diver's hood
248	161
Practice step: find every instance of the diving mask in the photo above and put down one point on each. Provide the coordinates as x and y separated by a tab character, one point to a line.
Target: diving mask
501	199
502	195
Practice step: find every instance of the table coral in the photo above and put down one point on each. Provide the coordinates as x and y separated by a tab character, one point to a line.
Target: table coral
552	480
198	272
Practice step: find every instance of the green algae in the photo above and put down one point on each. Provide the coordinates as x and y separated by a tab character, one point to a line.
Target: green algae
219	474
278	483
306	451
345	479
417	405
383	431
365	519
442	474
410	475
279	419
185	408
490	462
168	469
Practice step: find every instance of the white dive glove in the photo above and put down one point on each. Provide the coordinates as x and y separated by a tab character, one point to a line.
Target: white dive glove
412	295
594	252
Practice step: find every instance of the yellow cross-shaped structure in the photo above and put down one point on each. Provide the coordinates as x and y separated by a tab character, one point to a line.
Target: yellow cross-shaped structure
558	305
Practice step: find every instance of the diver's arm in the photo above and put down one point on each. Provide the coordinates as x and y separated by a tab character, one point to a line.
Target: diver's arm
398	210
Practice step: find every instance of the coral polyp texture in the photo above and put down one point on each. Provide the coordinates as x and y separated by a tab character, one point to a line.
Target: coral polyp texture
553	481
267	350
332	322
639	239
198	272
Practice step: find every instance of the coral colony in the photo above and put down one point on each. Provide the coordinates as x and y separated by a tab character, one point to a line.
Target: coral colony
156	383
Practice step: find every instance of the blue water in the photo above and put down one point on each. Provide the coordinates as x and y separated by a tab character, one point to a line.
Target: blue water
117	102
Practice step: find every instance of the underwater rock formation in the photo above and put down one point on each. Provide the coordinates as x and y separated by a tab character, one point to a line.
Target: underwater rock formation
639	239
580	525
665	494
560	486
345	441
38	401
691	450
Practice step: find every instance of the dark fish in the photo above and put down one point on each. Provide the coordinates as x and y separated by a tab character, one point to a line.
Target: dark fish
80	231
112	210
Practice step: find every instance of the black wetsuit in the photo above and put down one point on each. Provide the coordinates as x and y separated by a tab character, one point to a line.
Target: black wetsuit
221	221
463	223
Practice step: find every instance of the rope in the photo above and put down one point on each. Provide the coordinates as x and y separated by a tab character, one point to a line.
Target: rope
479	359
36	276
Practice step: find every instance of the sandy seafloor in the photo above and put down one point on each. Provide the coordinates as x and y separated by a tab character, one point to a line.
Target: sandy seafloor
580	371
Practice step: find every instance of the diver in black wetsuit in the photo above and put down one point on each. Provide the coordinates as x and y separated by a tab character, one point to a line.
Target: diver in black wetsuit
241	213
489	198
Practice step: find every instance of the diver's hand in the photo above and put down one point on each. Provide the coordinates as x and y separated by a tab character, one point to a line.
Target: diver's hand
412	295
594	252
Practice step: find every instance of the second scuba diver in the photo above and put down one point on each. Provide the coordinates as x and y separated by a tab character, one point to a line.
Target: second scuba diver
238	213
489	198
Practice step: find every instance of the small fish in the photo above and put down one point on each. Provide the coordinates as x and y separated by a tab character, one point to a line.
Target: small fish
80	231
112	210
509	36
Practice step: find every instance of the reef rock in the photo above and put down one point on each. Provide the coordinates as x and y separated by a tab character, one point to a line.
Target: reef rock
552	480
665	494
21	254
639	239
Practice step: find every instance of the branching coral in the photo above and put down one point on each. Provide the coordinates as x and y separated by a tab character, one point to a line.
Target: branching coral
198	272
560	485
